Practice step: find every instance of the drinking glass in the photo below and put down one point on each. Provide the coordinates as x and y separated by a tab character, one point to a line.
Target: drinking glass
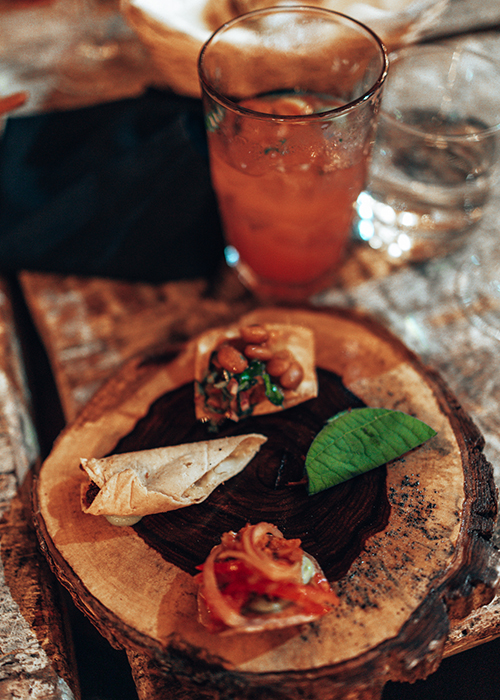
290	96
97	37
435	153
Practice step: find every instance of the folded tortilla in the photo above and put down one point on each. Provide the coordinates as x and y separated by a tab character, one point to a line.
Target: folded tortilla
299	340
166	478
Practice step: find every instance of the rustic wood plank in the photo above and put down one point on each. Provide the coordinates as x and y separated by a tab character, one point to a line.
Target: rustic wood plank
437	532
91	326
417	303
438	331
36	659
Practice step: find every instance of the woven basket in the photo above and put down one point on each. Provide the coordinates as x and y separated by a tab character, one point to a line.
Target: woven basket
175	30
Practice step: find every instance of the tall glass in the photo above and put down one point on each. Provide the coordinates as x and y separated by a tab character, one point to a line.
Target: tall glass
291	96
436	152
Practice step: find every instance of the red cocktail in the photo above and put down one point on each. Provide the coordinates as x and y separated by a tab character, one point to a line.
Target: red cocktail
288	164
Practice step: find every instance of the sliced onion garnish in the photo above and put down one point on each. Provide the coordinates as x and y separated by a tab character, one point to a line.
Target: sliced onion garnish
253	551
275	569
216	602
263	558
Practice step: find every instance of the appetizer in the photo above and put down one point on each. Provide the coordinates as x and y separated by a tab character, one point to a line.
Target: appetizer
257	580
141	483
253	370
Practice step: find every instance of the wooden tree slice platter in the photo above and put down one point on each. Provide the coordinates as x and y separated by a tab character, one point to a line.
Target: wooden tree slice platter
405	546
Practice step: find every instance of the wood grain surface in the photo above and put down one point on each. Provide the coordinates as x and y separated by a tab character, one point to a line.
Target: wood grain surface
36	652
430	563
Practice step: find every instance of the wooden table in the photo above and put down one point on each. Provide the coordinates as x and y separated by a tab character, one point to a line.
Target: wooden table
35	643
90	327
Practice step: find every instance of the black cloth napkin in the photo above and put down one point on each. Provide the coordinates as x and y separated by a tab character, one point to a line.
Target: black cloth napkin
119	190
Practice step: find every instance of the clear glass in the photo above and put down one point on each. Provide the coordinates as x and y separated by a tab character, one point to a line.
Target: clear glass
291	96
436	152
98	42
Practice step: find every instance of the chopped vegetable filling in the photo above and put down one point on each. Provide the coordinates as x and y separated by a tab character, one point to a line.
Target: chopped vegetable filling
226	393
257	573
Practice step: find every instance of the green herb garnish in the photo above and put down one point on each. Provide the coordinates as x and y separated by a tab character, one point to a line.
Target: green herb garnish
219	385
273	391
249	377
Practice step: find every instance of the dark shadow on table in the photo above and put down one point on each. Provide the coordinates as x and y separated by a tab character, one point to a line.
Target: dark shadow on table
471	675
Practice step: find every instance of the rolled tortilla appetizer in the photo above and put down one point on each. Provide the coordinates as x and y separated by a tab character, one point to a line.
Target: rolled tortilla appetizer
253	370
134	484
256	580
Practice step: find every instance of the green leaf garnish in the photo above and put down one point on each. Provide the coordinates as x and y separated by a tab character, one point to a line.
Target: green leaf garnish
273	392
248	377
355	441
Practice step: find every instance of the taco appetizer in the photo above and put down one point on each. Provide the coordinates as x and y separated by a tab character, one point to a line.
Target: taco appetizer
253	370
141	483
257	580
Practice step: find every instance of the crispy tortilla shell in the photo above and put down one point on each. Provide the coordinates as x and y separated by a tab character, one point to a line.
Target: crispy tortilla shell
299	340
166	478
